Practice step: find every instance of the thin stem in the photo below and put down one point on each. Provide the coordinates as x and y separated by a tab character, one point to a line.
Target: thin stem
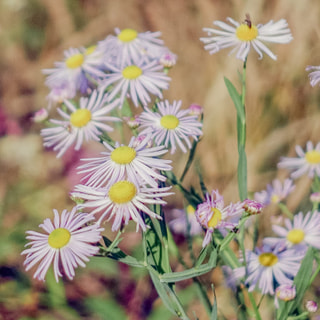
254	305
285	210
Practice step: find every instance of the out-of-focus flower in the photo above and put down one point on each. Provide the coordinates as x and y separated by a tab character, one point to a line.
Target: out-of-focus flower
311	306
170	125
84	123
213	214
243	35
252	206
314	75
136	162
129	45
315	197
69	242
268	267
284	292
195	110
40	115
306	162
137	81
275	193
168	59
132	122
61	92
123	201
185	221
303	231
73	71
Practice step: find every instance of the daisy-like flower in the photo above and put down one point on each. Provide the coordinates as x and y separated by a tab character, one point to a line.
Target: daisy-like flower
243	35
268	267
123	201
311	306
129	45
252	207
68	243
170	125
284	292
185	221
314	75
303	231
276	192
135	162
212	214
136	80
307	161
73	71
84	123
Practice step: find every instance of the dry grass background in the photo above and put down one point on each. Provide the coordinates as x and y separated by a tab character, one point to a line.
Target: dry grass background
282	108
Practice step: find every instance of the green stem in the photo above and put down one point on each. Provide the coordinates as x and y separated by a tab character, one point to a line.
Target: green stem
254	306
285	210
303	315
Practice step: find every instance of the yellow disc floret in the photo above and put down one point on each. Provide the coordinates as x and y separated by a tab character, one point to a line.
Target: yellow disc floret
245	33
268	259
127	35
90	49
59	238
169	121
215	218
75	61
313	157
131	72
80	118
122	192
295	236
123	155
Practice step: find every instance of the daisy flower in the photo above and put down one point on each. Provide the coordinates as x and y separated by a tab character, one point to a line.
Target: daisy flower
123	201
84	123
170	125
135	161
252	206
73	70
185	221
303	231
67	244
129	45
314	75
307	161
212	214
276	192
136	80
243	35
268	267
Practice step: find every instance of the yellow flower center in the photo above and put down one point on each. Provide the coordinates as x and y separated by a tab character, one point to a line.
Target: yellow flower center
75	61
123	155
190	210
295	236
245	33
80	117
169	121
313	157
275	198
268	259
131	72
127	35
122	192
59	238
215	218
90	49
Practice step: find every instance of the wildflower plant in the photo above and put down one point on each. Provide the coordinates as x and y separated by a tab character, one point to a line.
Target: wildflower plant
123	78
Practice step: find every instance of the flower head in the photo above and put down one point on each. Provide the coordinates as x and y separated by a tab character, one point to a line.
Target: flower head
269	267
307	161
185	221
137	81
84	123
67	243
252	206
285	292
40	115
275	193
123	200
243	35
311	306
303	231
314	75
73	71
170	125
136	162
212	214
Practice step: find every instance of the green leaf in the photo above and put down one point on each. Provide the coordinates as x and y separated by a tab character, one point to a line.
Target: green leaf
214	311
236	98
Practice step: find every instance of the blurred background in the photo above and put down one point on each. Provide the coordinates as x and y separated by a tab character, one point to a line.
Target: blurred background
282	111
